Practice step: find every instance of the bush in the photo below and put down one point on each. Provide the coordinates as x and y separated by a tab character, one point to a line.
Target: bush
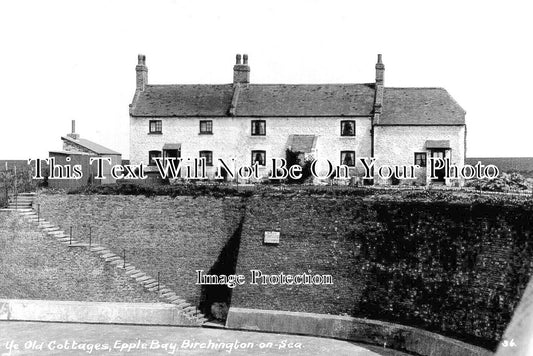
503	183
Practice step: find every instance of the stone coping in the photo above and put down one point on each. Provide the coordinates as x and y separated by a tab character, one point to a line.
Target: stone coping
93	312
384	334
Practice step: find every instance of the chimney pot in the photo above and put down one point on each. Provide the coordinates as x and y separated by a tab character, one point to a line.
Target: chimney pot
379	59
142	72
73	126
241	72
245	59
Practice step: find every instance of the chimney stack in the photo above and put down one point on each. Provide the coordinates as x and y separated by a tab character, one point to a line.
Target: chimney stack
142	72
380	71
380	88
73	134
241	72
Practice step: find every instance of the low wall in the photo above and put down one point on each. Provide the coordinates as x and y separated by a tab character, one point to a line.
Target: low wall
393	336
93	312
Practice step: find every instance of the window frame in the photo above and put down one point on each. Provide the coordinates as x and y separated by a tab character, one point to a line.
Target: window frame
209	124
155	122
422	154
263	122
208	162
343	122
150	157
263	152
345	152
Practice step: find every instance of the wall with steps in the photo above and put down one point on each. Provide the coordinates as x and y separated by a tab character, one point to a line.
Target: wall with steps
172	236
159	290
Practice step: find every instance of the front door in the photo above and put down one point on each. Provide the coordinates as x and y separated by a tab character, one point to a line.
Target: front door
439	173
171	154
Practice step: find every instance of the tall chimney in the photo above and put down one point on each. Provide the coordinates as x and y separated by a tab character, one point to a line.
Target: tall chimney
142	72
380	71
73	134
380	87
241	72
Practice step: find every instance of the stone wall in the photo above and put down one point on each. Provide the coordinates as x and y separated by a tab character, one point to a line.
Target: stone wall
35	266
172	236
456	268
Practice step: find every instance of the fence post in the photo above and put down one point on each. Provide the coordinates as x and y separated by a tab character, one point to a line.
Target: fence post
158	274
38	214
90	237
124	255
70	242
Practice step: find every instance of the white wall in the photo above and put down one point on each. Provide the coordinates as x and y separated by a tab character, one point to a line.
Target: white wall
396	145
232	138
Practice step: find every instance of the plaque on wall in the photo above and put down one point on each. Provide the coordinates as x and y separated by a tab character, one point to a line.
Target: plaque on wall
271	237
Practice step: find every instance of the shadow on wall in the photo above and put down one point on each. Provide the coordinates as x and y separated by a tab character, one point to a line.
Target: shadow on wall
215	299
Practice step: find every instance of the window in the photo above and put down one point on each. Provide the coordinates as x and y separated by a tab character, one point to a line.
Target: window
420	158
208	155
206	127
348	128
156	126
348	158
259	157
258	127
151	156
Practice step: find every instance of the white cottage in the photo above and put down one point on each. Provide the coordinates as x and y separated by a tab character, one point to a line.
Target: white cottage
253	123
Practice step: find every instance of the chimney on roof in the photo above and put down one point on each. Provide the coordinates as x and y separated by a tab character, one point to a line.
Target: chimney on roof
241	72
380	85
380	71
142	72
73	134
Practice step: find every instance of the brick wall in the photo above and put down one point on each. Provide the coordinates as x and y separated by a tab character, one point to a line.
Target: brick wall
33	266
454	268
173	236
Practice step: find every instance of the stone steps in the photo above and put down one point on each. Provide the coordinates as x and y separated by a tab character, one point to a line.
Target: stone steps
143	279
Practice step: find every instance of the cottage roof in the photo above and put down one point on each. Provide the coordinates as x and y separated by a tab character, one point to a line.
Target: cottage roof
92	146
420	106
401	106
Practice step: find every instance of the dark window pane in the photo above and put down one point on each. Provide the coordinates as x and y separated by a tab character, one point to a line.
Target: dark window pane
259	157
348	158
208	155
258	127
348	128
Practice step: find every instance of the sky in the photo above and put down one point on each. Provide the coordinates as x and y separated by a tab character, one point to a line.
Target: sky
75	60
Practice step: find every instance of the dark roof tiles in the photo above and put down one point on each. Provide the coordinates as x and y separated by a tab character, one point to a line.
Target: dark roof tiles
401	106
420	106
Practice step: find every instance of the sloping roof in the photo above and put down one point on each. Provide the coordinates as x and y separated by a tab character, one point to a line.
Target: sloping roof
420	106
306	100
302	143
401	106
92	146
255	100
183	100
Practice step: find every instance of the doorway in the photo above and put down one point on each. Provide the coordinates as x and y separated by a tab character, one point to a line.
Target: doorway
439	173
